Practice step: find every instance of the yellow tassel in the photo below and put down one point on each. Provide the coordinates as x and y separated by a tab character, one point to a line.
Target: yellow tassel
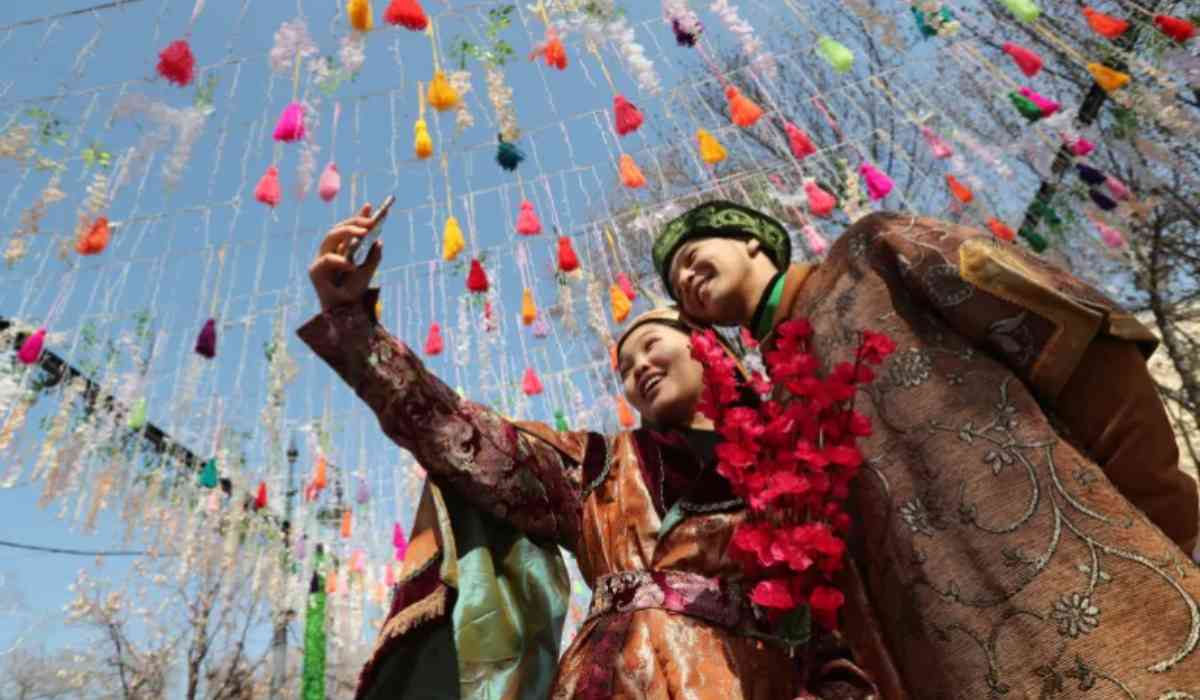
359	12
442	95
1108	79
528	308
453	242
422	144
378	309
620	303
711	150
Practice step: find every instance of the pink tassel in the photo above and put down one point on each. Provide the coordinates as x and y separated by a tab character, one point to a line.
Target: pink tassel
541	329
1029	62
358	561
816	242
330	184
267	190
31	349
1081	146
879	185
531	385
290	126
802	146
820	202
399	541
434	343
941	150
626	286
1045	104
1111	237
528	223
1118	189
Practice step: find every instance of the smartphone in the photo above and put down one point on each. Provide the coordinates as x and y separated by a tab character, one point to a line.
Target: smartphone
358	251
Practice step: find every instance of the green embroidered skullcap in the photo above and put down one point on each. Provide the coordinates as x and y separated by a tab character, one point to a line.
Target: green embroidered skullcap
716	219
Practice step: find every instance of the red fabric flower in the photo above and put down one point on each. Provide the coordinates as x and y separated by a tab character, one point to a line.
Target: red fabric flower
875	347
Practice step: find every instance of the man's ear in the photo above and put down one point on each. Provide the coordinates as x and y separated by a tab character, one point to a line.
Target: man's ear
753	246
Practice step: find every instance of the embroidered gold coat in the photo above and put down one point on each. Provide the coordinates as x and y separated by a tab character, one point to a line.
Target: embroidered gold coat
648	524
1022	513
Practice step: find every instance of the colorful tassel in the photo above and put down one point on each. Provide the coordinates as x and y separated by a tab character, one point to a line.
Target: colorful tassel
560	421
815	241
31	348
960	191
1048	106
530	384
206	342
1106	26
801	145
422	143
624	415
208	474
176	63
551	50
528	223
541	329
621	304
686	33
941	149
627	118
631	174
508	155
879	185
1090	175
835	54
320	473
820	202
441	94
626	286
1027	107
453	242
1035	240
290	126
1029	62
433	342
331	585
1111	236
260	499
330	183
362	492
1102	200
1024	10
1118	189
711	150
1080	146
528	308
347	524
1110	80
137	415
267	190
406	13
95	239
360	15
1001	230
612	356
742	109
399	541
477	280
1177	28
567	260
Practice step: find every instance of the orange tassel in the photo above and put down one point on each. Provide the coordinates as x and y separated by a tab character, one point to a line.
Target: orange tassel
1105	25
95	240
742	109
624	415
631	174
1000	230
347	527
960	191
612	356
319	479
621	304
551	50
528	308
331	582
1107	78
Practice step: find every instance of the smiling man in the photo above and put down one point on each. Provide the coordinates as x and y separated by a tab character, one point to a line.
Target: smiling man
1022	515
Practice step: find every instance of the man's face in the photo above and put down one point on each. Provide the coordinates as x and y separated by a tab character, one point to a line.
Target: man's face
708	275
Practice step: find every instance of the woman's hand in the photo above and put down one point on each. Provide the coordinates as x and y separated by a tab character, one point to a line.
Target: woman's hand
332	262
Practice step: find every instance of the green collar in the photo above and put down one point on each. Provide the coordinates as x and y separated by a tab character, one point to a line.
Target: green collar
764	316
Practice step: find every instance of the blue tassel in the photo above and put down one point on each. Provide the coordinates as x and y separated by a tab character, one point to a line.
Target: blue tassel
1102	200
1090	175
508	155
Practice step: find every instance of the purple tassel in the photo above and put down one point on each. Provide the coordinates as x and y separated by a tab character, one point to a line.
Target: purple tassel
1102	200
1090	175
682	36
206	342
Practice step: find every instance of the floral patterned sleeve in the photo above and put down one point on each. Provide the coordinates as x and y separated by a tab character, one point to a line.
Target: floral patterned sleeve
526	476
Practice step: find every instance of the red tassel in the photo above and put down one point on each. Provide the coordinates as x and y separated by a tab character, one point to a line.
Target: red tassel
434	343
802	146
1106	26
95	240
176	63
626	286
627	117
1029	62
567	260
960	191
1177	28
267	190
530	384
260	500
528	223
406	13
477	280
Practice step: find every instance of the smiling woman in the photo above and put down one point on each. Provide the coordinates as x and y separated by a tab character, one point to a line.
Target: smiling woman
659	376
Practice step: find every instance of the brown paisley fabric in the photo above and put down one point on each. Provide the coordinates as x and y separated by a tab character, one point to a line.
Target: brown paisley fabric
1000	559
614	501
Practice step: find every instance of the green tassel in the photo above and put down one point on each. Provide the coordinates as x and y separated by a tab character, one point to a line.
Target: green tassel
208	476
560	422
1025	106
137	416
508	155
1034	239
313	673
836	54
1024	10
922	26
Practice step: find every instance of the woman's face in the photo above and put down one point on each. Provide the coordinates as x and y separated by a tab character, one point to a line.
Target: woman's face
660	378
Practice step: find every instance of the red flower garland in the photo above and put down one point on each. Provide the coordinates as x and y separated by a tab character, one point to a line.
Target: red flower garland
792	462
